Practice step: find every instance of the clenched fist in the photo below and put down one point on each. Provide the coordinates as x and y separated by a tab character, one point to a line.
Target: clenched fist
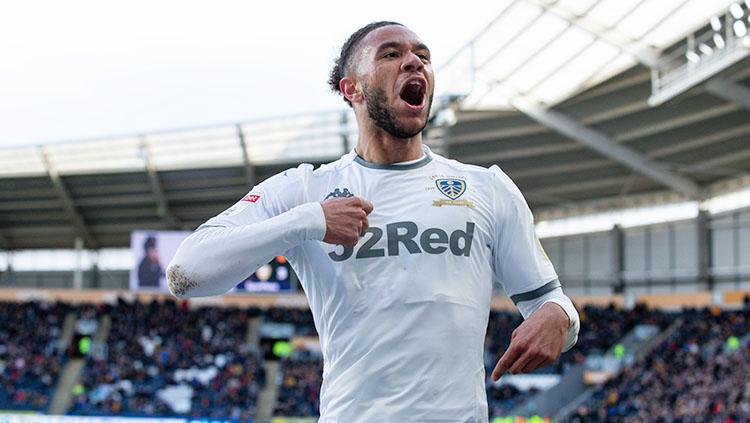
346	219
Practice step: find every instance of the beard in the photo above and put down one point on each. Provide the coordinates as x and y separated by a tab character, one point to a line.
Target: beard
384	117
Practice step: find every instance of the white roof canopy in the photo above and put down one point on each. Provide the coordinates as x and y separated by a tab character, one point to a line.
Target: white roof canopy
548	50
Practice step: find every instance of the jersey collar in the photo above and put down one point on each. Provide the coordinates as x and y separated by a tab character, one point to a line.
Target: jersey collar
395	166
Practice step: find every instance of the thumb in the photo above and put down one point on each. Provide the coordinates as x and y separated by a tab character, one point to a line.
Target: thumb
367	206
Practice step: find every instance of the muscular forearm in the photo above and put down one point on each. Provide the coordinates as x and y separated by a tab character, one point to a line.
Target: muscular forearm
212	260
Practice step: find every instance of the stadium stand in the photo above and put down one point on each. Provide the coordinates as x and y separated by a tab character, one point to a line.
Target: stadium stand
301	318
299	390
601	328
699	373
31	354
198	355
204	358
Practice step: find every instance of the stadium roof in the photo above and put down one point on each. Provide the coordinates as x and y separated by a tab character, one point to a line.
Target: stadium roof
548	50
584	146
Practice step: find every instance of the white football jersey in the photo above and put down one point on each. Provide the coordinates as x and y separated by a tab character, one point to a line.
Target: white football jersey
402	316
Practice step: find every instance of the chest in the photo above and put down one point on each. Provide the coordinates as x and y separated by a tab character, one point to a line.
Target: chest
429	213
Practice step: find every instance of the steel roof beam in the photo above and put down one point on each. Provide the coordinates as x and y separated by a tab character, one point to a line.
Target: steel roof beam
645	55
583	47
250	176
730	91
502	155
605	146
666	124
557	190
162	207
79	225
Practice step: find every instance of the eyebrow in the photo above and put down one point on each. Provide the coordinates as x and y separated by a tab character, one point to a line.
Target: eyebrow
396	44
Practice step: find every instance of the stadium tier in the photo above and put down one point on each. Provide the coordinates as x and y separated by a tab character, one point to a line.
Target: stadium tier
200	357
165	359
31	353
698	373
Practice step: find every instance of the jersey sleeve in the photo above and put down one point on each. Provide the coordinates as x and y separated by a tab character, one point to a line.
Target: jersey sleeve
519	261
270	198
271	219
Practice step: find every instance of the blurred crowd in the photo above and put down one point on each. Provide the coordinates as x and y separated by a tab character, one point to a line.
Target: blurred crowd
601	328
31	357
299	387
301	318
697	374
164	359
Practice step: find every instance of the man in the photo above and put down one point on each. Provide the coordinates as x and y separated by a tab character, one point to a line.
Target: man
150	271
397	249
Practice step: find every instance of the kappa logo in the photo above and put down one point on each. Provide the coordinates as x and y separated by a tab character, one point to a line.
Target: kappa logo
338	193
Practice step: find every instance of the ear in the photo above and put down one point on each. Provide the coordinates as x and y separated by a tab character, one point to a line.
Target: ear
351	90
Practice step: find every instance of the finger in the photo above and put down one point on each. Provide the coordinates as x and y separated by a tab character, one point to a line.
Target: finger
505	361
367	206
365	226
498	371
520	363
533	364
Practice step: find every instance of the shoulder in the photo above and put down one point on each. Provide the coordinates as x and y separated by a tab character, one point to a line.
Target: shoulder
336	166
293	182
464	168
493	176
289	177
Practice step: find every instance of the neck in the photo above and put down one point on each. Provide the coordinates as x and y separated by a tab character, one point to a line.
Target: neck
377	146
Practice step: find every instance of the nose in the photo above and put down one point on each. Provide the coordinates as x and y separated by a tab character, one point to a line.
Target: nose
412	63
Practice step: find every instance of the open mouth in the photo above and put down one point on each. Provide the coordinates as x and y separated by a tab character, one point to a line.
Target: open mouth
413	92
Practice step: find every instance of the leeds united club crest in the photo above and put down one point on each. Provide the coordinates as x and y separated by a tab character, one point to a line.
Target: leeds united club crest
452	188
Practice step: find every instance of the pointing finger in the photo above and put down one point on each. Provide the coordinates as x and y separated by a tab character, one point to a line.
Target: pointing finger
507	360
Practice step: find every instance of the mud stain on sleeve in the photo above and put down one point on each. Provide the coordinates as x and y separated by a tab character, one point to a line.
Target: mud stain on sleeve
178	281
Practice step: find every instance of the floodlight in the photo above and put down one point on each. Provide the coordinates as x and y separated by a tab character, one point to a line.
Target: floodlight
705	49
692	56
739	28
716	23
736	10
718	41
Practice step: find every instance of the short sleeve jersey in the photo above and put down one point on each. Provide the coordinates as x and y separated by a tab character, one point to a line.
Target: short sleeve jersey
403	314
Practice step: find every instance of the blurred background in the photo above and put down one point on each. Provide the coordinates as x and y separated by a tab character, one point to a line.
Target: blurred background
625	123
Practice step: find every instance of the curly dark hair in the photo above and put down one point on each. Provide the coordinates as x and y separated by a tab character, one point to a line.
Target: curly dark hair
342	66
